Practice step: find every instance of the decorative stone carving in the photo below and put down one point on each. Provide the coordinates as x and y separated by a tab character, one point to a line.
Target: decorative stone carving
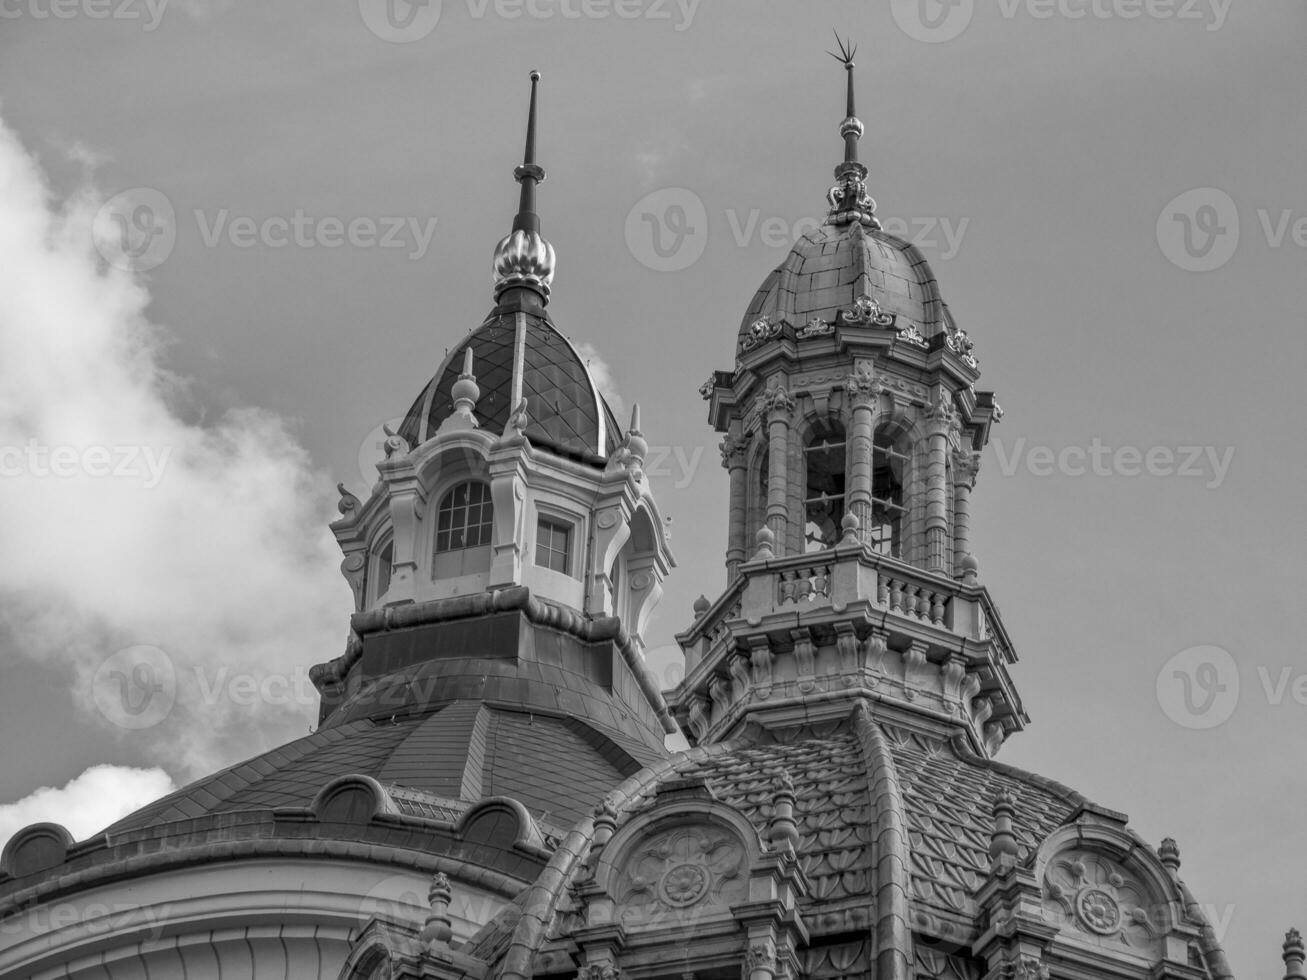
1094	895
350	506
864	385
866	310
962	345
911	335
777	401
1024	968
600	971
708	387
518	420
680	869
760	331
353	568
815	327
734	451
395	446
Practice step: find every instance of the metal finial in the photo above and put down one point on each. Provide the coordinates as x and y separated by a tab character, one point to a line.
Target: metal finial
529	173
524	258
851	127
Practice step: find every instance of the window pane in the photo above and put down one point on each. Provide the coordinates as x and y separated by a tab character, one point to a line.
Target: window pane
464	518
553	545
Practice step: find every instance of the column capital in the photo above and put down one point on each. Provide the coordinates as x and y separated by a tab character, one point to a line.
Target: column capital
777	403
734	451
864	387
966	464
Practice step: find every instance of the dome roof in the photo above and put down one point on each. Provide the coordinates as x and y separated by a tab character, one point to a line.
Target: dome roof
521	355
831	267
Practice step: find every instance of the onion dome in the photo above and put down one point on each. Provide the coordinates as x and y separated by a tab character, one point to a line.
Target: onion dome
519	354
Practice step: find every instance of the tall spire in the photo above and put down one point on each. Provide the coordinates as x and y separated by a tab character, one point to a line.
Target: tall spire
848	199
524	261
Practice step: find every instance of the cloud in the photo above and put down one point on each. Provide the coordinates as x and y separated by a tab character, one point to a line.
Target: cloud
88	803
126	525
603	379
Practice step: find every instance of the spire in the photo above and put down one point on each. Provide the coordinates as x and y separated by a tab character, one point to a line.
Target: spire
524	261
530	173
848	199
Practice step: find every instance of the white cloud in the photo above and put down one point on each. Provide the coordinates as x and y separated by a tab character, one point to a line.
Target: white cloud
603	379
88	803
220	557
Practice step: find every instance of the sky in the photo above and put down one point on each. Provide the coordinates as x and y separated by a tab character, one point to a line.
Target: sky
1110	194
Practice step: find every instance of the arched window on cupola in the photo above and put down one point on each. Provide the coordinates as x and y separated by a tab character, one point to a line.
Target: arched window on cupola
464	522
823	496
890	461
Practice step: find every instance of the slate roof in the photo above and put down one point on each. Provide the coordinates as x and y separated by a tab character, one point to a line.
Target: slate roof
832	266
436	762
945	794
567	411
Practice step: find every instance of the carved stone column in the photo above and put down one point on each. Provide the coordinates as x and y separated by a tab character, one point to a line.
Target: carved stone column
965	466
778	407
735	459
939	421
864	390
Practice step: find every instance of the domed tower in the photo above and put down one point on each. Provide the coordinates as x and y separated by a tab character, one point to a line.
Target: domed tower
853	433
492	691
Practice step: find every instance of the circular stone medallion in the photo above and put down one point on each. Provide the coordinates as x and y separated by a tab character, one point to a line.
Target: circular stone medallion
1098	910
683	885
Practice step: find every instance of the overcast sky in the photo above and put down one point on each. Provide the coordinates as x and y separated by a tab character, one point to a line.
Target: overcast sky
1111	195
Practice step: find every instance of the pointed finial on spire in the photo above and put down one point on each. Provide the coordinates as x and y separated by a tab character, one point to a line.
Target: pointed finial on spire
529	173
524	258
848	199
851	127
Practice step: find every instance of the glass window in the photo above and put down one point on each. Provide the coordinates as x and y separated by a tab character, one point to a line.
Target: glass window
464	518
824	488
889	463
554	545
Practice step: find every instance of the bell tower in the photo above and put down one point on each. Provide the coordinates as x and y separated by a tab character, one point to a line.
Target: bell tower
852	430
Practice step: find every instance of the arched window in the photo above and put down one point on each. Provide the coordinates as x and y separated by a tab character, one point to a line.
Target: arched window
464	518
823	497
889	467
